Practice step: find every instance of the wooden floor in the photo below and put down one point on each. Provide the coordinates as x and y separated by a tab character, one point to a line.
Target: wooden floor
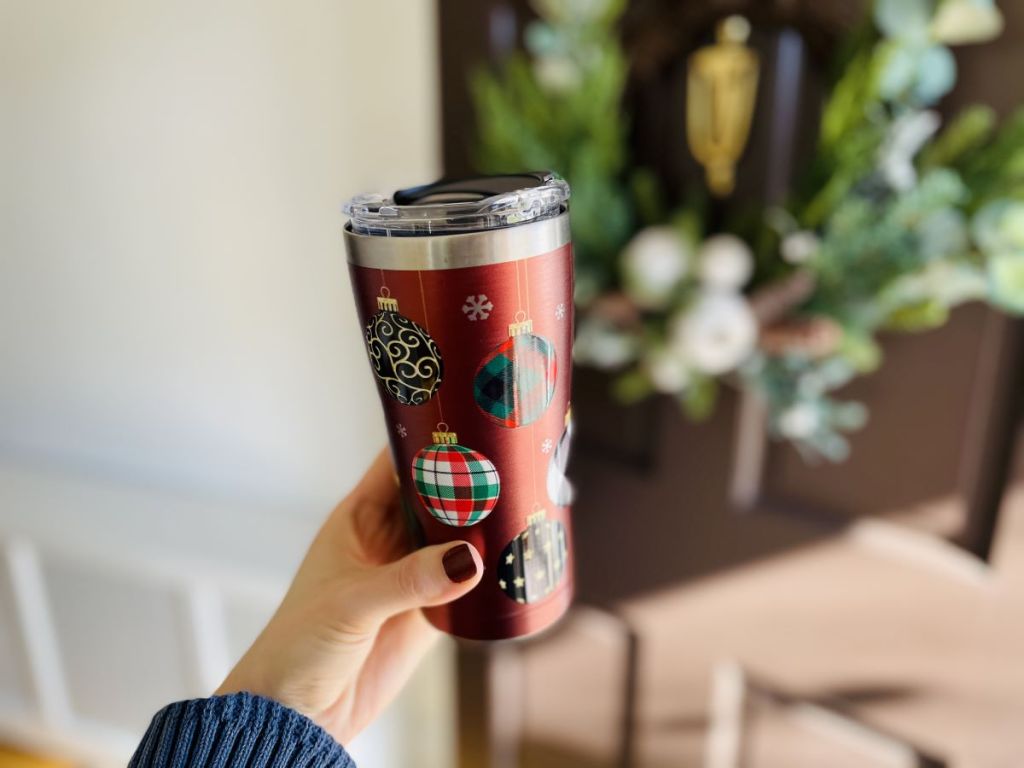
907	637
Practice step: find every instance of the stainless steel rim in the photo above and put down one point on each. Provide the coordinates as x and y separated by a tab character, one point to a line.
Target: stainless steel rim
467	249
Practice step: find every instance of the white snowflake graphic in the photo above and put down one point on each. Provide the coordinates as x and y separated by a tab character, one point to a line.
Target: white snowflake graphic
477	307
560	312
546	446
401	430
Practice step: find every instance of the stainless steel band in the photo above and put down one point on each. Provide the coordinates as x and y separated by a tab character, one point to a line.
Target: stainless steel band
467	249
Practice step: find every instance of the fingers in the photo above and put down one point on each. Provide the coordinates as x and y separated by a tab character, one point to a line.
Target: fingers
429	576
372	501
399	647
379	483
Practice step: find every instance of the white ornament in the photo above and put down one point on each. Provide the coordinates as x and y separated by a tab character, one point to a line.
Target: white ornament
477	307
799	247
401	430
560	312
546	446
716	334
725	261
653	263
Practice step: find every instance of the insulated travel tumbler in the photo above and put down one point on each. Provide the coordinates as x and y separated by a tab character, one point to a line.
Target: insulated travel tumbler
464	291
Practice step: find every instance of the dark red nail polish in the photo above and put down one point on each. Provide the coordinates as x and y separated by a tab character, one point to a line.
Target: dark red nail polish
459	563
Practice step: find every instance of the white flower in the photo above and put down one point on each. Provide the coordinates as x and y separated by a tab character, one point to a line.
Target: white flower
716	334
601	345
958	22
557	74
653	263
799	421
571	10
725	262
906	136
799	247
666	370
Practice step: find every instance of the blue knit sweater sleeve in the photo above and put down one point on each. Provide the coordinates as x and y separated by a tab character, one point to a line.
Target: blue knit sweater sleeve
236	731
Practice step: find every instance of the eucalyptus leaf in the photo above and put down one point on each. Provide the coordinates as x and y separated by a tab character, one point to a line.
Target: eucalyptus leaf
936	74
905	19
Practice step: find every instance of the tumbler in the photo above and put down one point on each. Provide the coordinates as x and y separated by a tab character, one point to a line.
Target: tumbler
464	289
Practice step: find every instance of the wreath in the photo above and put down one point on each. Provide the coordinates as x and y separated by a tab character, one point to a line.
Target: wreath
898	218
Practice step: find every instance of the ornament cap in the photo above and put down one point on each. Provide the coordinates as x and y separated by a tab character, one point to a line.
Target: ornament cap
520	327
538	514
387	304
444	437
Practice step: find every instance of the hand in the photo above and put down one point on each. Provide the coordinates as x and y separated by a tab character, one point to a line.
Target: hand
349	631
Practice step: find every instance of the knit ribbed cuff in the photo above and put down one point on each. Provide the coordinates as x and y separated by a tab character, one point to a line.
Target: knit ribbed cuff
236	731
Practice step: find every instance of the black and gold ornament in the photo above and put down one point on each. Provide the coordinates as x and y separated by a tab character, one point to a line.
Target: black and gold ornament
533	564
404	358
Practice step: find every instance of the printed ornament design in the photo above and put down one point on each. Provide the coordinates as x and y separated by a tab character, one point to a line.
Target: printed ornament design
404	358
515	383
457	485
533	564
560	490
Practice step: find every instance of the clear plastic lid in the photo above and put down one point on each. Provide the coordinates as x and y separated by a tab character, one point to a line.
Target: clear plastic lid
450	206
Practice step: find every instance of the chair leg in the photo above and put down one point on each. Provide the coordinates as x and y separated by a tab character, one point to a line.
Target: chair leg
631	686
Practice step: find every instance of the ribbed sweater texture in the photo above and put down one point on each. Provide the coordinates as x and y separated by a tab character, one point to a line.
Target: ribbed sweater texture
236	731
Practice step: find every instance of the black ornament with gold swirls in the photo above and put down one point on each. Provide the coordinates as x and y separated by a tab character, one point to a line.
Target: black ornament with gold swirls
533	564
404	358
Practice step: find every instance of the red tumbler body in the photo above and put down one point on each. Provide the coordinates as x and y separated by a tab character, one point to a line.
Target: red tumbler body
469	336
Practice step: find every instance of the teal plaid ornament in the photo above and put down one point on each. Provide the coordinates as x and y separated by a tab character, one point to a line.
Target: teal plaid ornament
515	384
457	485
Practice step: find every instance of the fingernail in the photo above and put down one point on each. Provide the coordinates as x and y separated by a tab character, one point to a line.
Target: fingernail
459	564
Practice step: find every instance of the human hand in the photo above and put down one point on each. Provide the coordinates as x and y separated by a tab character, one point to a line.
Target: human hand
349	631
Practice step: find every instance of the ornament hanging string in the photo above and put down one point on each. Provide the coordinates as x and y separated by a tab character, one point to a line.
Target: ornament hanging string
426	325
533	425
526	276
519	293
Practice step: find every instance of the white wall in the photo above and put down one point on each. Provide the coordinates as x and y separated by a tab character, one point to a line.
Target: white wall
174	305
183	388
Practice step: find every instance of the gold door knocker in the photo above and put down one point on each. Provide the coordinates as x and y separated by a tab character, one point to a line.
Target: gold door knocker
721	90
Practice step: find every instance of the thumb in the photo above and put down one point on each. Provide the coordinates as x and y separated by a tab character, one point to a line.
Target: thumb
430	576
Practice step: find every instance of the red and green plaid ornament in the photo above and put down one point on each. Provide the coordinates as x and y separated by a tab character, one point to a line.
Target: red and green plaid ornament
515	384
457	485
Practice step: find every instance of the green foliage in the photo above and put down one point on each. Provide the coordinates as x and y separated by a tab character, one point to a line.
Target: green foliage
632	386
567	117
969	132
699	397
900	222
996	169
